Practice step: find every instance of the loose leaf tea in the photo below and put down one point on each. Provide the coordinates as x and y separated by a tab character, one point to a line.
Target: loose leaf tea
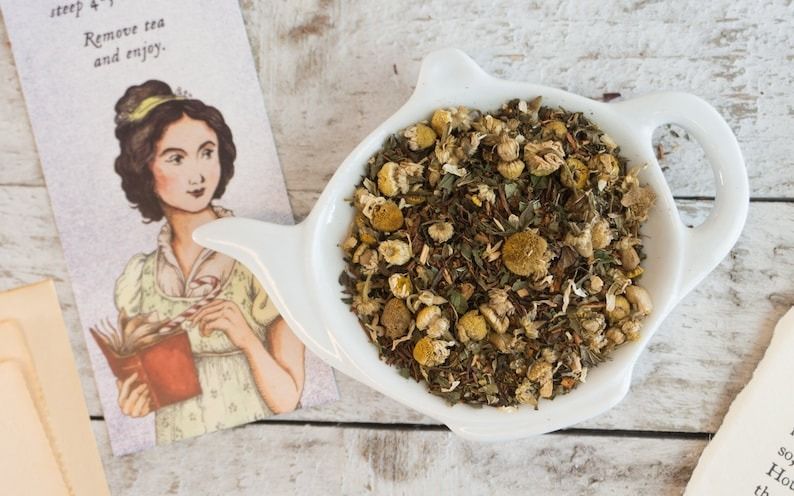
495	256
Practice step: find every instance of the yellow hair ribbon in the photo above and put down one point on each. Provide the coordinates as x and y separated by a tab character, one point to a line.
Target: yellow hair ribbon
148	104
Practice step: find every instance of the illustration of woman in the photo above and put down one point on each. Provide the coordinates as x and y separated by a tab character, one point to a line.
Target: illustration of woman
177	155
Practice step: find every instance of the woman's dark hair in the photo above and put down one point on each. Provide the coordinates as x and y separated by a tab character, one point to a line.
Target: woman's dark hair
138	140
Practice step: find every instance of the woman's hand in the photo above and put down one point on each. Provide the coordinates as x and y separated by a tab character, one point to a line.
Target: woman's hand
225	316
134	402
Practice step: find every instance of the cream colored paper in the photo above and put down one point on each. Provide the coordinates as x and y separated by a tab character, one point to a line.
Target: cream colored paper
44	358
27	460
752	453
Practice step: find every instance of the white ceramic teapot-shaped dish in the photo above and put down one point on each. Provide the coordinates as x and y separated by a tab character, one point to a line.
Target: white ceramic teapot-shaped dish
299	265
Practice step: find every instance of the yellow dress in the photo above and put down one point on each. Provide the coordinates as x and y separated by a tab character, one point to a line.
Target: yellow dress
229	395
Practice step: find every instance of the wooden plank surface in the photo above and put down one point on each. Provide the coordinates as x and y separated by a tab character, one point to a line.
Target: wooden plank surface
699	359
289	459
330	72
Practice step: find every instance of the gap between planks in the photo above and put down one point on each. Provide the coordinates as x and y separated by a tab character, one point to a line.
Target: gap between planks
705	436
753	199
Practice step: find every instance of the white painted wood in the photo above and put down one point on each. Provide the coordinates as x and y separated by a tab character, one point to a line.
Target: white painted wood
330	72
699	359
287	459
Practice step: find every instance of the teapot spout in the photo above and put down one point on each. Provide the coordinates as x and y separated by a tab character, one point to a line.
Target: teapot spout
268	250
275	254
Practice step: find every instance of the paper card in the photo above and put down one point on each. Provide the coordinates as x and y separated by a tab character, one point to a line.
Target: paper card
149	122
33	337
752	453
29	463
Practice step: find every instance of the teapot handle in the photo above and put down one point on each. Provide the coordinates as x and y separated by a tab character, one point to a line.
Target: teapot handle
707	244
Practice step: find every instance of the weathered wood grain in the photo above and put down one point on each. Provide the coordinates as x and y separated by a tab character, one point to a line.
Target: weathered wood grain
331	71
287	459
699	359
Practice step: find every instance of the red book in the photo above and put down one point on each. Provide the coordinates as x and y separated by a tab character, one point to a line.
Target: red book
164	362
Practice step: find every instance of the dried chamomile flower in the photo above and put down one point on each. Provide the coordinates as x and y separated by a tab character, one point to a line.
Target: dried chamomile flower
396	318
470	143
430	352
633	274
489	125
524	395
615	335
460	118
387	179
582	242
590	321
631	329
387	217
550	355
367	258
434	174
554	129
629	259
619	284
574	174
607	167
499	301
507	148
364	306
544	158
368	203
395	252
503	342
526	254
472	327
498	324
420	137
491	252
595	284
455	170
638	199
621	309
640	299
393	178
426	316
427	297
439	327
400	285
441	121
627	242
486	194
601	234
441	232
529	326
446	151
511	170
368	236
511	125
532	108
541	372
